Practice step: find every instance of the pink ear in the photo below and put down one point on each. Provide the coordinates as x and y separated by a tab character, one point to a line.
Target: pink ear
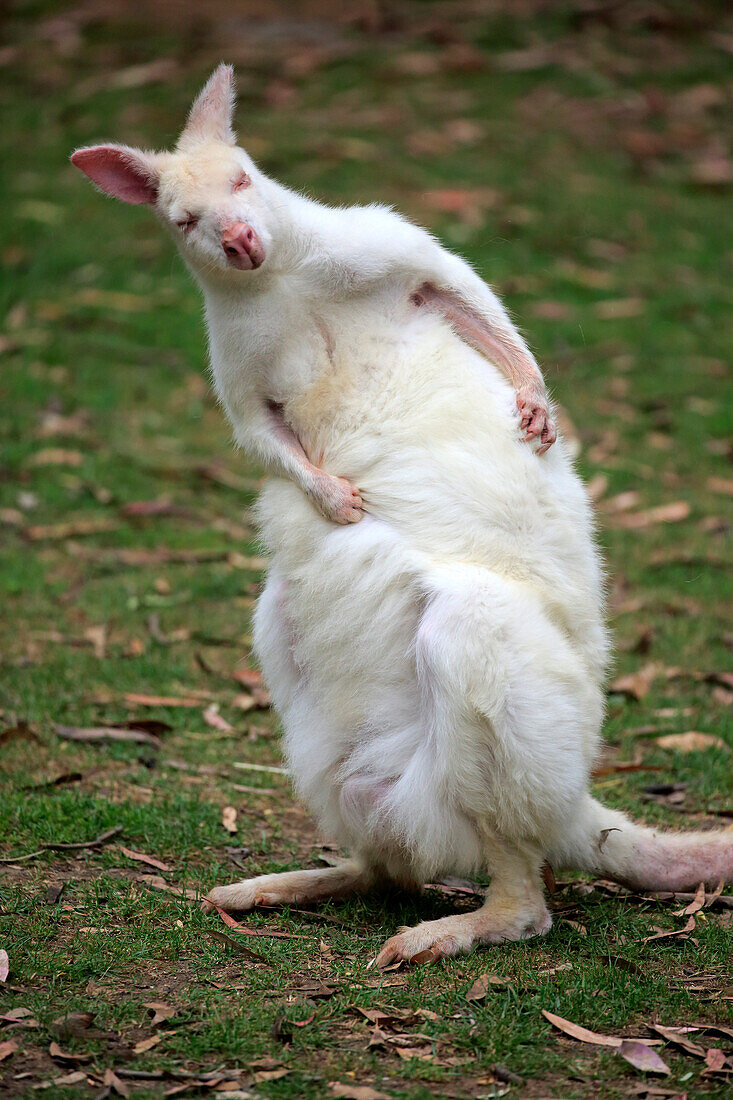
122	172
210	118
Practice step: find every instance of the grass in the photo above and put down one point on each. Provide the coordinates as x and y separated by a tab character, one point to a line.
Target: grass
102	326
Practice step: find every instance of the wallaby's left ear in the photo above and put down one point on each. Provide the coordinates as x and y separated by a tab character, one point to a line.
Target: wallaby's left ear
128	174
210	118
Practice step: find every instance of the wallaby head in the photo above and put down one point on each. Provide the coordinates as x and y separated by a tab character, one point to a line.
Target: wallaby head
207	190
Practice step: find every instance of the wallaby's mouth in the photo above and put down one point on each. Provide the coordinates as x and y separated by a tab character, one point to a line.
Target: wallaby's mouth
242	247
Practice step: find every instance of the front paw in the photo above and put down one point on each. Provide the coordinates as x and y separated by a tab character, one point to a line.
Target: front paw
338	499
535	419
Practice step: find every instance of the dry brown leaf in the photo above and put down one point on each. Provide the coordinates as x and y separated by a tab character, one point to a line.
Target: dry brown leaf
140	857
57	456
248	677
244	701
112	1080
263	1075
74	1023
526	59
355	1092
160	506
483	984
230	922
113	299
420	1053
636	685
304	1023
133	556
54	423
695	905
549	310
157	882
105	733
233	945
680	1037
622	502
715	1060
468	205
717	892
246	766
214	719
576	1031
614	308
73	528
7	1048
73	1078
64	1056
134	698
576	926
97	637
21	1016
712	170
642	1057
665	513
229	819
692	741
682	933
242	561
597	486
717	1029
159	1011
720	485
146	1044
625	766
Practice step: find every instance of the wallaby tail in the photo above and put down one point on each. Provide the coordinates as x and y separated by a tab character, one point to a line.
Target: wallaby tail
606	843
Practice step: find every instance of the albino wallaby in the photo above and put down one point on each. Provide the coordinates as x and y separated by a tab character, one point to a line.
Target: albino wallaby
437	667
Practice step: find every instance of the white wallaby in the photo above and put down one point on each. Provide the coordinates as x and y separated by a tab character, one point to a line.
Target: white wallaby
437	665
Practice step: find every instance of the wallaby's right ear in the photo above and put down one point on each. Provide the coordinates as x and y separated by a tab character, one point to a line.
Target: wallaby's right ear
128	174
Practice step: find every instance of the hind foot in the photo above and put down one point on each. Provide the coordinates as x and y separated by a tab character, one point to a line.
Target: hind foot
459	934
290	888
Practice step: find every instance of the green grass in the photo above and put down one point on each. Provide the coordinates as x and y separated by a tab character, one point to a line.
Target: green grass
102	320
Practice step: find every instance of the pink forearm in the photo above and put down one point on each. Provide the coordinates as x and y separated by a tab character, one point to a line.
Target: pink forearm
513	360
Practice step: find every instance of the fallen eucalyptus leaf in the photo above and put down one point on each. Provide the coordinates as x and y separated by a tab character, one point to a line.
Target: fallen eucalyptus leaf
692	741
240	948
642	1057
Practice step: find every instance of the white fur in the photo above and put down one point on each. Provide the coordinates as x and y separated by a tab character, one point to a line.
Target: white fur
438	666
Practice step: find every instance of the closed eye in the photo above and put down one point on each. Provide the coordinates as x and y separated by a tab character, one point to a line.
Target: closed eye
241	182
187	223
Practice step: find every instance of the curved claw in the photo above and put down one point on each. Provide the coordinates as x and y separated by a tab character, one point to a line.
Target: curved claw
535	420
548	436
536	424
394	952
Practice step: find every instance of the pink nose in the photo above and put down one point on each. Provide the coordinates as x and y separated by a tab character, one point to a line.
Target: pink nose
242	246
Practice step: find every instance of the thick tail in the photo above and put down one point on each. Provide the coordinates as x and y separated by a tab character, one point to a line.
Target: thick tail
606	843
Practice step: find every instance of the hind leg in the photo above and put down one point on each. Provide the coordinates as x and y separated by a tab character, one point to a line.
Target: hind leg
514	910
275	646
510	710
293	887
509	715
